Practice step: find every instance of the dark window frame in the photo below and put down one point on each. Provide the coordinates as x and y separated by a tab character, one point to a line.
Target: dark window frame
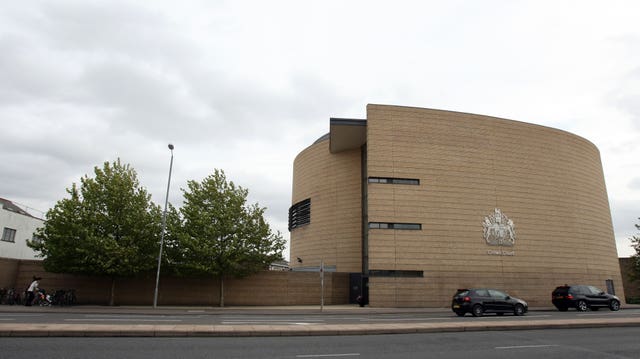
398	226
394	180
396	273
9	235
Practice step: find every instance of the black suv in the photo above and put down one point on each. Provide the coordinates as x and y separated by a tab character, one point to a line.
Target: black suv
481	300
583	297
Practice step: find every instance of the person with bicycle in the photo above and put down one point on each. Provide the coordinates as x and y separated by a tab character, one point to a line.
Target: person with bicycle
33	288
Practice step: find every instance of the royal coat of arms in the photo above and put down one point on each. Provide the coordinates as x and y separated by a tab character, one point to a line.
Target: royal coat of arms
498	229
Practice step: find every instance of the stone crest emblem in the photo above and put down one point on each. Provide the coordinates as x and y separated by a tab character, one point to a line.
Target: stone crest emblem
498	229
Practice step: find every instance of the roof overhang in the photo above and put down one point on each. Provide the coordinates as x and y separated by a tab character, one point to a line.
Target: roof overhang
347	134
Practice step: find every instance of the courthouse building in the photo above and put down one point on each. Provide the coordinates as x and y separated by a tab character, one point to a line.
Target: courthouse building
417	203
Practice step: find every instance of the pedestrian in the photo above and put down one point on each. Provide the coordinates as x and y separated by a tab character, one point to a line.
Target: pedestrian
31	291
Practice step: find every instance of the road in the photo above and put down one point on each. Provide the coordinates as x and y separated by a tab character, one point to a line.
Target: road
601	343
200	317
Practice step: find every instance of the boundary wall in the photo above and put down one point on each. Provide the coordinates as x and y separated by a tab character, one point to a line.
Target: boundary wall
264	288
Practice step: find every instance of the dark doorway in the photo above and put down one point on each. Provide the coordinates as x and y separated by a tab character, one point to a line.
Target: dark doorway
358	286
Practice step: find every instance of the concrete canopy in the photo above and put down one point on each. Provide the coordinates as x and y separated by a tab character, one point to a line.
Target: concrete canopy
347	134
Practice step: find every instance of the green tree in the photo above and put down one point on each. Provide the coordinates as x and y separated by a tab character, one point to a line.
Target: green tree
107	227
222	234
635	243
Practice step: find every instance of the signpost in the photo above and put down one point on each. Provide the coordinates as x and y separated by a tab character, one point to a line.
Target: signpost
321	285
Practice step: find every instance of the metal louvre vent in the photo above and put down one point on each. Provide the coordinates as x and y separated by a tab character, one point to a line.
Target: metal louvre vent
300	214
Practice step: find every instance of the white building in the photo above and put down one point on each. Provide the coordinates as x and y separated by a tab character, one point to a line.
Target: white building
17	226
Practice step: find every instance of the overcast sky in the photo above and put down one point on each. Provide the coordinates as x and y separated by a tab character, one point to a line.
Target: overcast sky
244	86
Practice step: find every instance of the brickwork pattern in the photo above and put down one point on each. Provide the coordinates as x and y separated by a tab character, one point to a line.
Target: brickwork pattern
263	288
549	182
332	181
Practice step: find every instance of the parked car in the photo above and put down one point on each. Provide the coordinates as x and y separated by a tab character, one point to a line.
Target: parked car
583	297
483	300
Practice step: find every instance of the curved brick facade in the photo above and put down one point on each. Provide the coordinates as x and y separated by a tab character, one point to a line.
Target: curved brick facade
332	182
548	182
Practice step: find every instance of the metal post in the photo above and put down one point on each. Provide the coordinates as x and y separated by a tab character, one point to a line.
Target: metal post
164	225
321	285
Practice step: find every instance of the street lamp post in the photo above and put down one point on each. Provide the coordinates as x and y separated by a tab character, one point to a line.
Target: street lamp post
164	225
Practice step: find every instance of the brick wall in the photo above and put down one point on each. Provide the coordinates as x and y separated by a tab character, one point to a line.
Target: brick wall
631	286
264	288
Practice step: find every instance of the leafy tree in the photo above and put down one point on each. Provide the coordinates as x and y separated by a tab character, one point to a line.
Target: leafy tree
222	234
635	243
107	227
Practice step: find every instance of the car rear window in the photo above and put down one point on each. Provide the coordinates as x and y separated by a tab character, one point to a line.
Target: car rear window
481	292
561	291
462	293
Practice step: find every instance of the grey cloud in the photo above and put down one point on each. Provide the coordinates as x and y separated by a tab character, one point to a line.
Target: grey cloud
625	216
625	95
134	67
23	73
113	28
146	101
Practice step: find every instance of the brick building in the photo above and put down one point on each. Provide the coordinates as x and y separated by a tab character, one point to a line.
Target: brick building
416	203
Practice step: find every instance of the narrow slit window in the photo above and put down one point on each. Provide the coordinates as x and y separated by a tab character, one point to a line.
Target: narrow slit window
393	180
401	226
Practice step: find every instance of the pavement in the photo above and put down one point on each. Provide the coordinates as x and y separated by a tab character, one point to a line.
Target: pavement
245	330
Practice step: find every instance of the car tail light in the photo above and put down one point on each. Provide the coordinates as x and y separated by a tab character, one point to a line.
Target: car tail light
569	296
466	299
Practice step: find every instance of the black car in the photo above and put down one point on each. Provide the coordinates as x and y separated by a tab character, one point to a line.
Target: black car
482	300
583	297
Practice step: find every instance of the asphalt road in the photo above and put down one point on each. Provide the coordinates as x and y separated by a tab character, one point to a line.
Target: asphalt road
195	317
601	343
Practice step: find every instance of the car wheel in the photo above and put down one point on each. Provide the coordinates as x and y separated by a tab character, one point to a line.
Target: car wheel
477	310
582	306
518	310
614	305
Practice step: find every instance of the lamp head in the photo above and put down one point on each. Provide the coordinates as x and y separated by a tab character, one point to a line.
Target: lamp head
171	147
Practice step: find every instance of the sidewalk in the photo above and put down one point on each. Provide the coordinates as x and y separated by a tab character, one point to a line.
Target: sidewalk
183	330
254	310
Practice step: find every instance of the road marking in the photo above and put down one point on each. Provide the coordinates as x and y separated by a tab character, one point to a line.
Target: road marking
7	318
20	315
273	320
122	320
327	355
401	319
528	346
523	317
142	316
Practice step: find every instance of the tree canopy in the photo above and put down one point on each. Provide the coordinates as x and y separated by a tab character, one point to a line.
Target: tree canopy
635	243
222	234
108	226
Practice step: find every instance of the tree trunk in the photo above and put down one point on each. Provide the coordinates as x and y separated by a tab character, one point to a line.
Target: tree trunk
221	291
113	290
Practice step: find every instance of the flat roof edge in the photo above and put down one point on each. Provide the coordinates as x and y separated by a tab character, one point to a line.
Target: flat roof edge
347	121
